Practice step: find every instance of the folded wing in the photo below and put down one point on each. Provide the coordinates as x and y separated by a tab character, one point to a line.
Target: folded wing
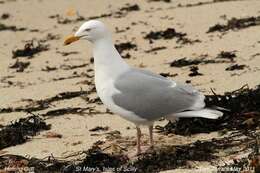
152	96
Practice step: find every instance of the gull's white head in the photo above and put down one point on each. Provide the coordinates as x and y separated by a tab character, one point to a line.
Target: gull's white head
92	31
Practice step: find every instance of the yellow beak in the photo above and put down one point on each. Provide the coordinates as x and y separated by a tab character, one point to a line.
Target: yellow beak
70	39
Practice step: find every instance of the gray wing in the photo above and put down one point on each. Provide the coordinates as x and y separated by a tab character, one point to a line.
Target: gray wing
152	96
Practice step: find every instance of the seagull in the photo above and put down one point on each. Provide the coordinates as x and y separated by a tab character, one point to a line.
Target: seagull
137	95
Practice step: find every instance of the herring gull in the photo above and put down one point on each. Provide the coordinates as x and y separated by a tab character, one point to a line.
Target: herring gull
137	95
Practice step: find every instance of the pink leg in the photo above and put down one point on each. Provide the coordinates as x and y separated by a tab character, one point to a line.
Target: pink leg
138	140
151	136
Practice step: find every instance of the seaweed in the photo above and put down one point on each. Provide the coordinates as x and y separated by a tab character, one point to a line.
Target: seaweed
235	24
187	62
95	160
68	53
186	40
172	157
129	7
100	161
255	55
48	68
49	37
155	49
126	56
52	135
13	28
20	66
71	67
206	3
121	30
34	30
168	1
44	104
63	111
21	130
242	113
169	33
194	71
249	163
168	157
99	128
121	47
30	49
100	16
168	74
158	159
235	67
227	55
5	16
17	163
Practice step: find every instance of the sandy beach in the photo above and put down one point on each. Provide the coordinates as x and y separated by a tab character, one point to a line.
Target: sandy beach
57	82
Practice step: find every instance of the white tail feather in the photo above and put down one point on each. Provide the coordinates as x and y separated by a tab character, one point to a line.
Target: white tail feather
204	113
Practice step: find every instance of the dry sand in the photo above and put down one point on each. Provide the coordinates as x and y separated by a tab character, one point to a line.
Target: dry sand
36	84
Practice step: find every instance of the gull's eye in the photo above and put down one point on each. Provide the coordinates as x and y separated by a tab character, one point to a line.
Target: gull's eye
88	29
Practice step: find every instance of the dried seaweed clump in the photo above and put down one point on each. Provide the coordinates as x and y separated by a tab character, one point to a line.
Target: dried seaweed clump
167	1
227	55
121	47
30	49
235	67
20	66
172	157
250	163
19	131
194	71
101	161
94	161
37	105
182	62
236	24
169	33
16	163
13	28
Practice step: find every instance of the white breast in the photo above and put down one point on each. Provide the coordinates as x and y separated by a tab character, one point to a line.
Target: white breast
108	66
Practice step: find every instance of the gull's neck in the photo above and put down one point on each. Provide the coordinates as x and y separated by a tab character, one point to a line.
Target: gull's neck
107	61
